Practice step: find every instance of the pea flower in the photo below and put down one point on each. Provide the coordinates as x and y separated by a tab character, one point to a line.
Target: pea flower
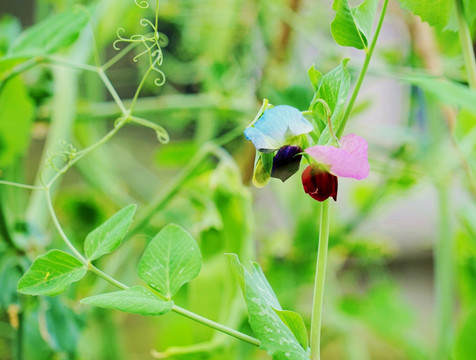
279	129
348	160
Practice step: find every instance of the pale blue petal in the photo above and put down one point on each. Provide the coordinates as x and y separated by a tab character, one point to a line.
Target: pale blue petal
276	127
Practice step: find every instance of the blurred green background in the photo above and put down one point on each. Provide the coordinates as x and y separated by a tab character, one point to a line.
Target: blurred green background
223	57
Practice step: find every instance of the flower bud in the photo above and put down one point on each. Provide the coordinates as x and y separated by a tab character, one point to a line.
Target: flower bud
319	183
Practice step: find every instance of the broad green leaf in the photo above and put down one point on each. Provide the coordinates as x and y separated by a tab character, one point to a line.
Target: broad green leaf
295	323
50	35
447	91
108	236
171	259
16	115
464	345
51	274
434	12
275	336
352	26
135	300
334	88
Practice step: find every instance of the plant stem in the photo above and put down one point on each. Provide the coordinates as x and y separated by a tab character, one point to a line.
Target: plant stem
216	326
60	230
316	317
466	45
444	277
363	71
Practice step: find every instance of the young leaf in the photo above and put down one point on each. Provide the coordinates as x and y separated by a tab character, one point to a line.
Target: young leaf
108	236
51	274
50	35
315	76
364	15
352	26
135	300
171	259
434	12
295	323
333	89
275	336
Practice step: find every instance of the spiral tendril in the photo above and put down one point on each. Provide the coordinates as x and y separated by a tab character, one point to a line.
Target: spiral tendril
143	4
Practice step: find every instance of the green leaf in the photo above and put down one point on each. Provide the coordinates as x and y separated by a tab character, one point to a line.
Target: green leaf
449	92
275	336
364	16
51	274
108	236
434	12
63	325
16	115
333	89
135	300
315	76
295	323
171	259
464	345
50	35
353	26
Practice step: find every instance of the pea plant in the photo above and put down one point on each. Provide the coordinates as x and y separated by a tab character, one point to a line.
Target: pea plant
286	139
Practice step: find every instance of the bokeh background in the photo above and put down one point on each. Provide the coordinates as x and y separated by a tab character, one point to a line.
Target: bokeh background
223	57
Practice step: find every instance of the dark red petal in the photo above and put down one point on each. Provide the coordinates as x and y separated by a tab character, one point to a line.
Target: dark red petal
318	183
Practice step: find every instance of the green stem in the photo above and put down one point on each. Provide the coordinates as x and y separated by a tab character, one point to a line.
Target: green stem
118	56
444	277
316	317
86	151
60	230
467	46
112	91
216	326
363	71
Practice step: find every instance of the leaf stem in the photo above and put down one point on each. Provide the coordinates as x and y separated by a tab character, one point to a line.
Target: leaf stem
363	71
467	46
216	326
61	232
316	317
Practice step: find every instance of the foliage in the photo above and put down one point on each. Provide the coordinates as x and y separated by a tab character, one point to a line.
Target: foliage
121	134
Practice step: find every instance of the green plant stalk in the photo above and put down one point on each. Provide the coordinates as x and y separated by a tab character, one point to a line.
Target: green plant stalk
316	317
363	71
466	46
443	255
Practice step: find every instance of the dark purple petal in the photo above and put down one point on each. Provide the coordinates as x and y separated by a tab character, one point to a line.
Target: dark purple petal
286	162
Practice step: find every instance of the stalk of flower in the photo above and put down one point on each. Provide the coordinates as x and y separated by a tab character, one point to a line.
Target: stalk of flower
280	136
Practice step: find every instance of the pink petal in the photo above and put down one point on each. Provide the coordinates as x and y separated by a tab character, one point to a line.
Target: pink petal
350	160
